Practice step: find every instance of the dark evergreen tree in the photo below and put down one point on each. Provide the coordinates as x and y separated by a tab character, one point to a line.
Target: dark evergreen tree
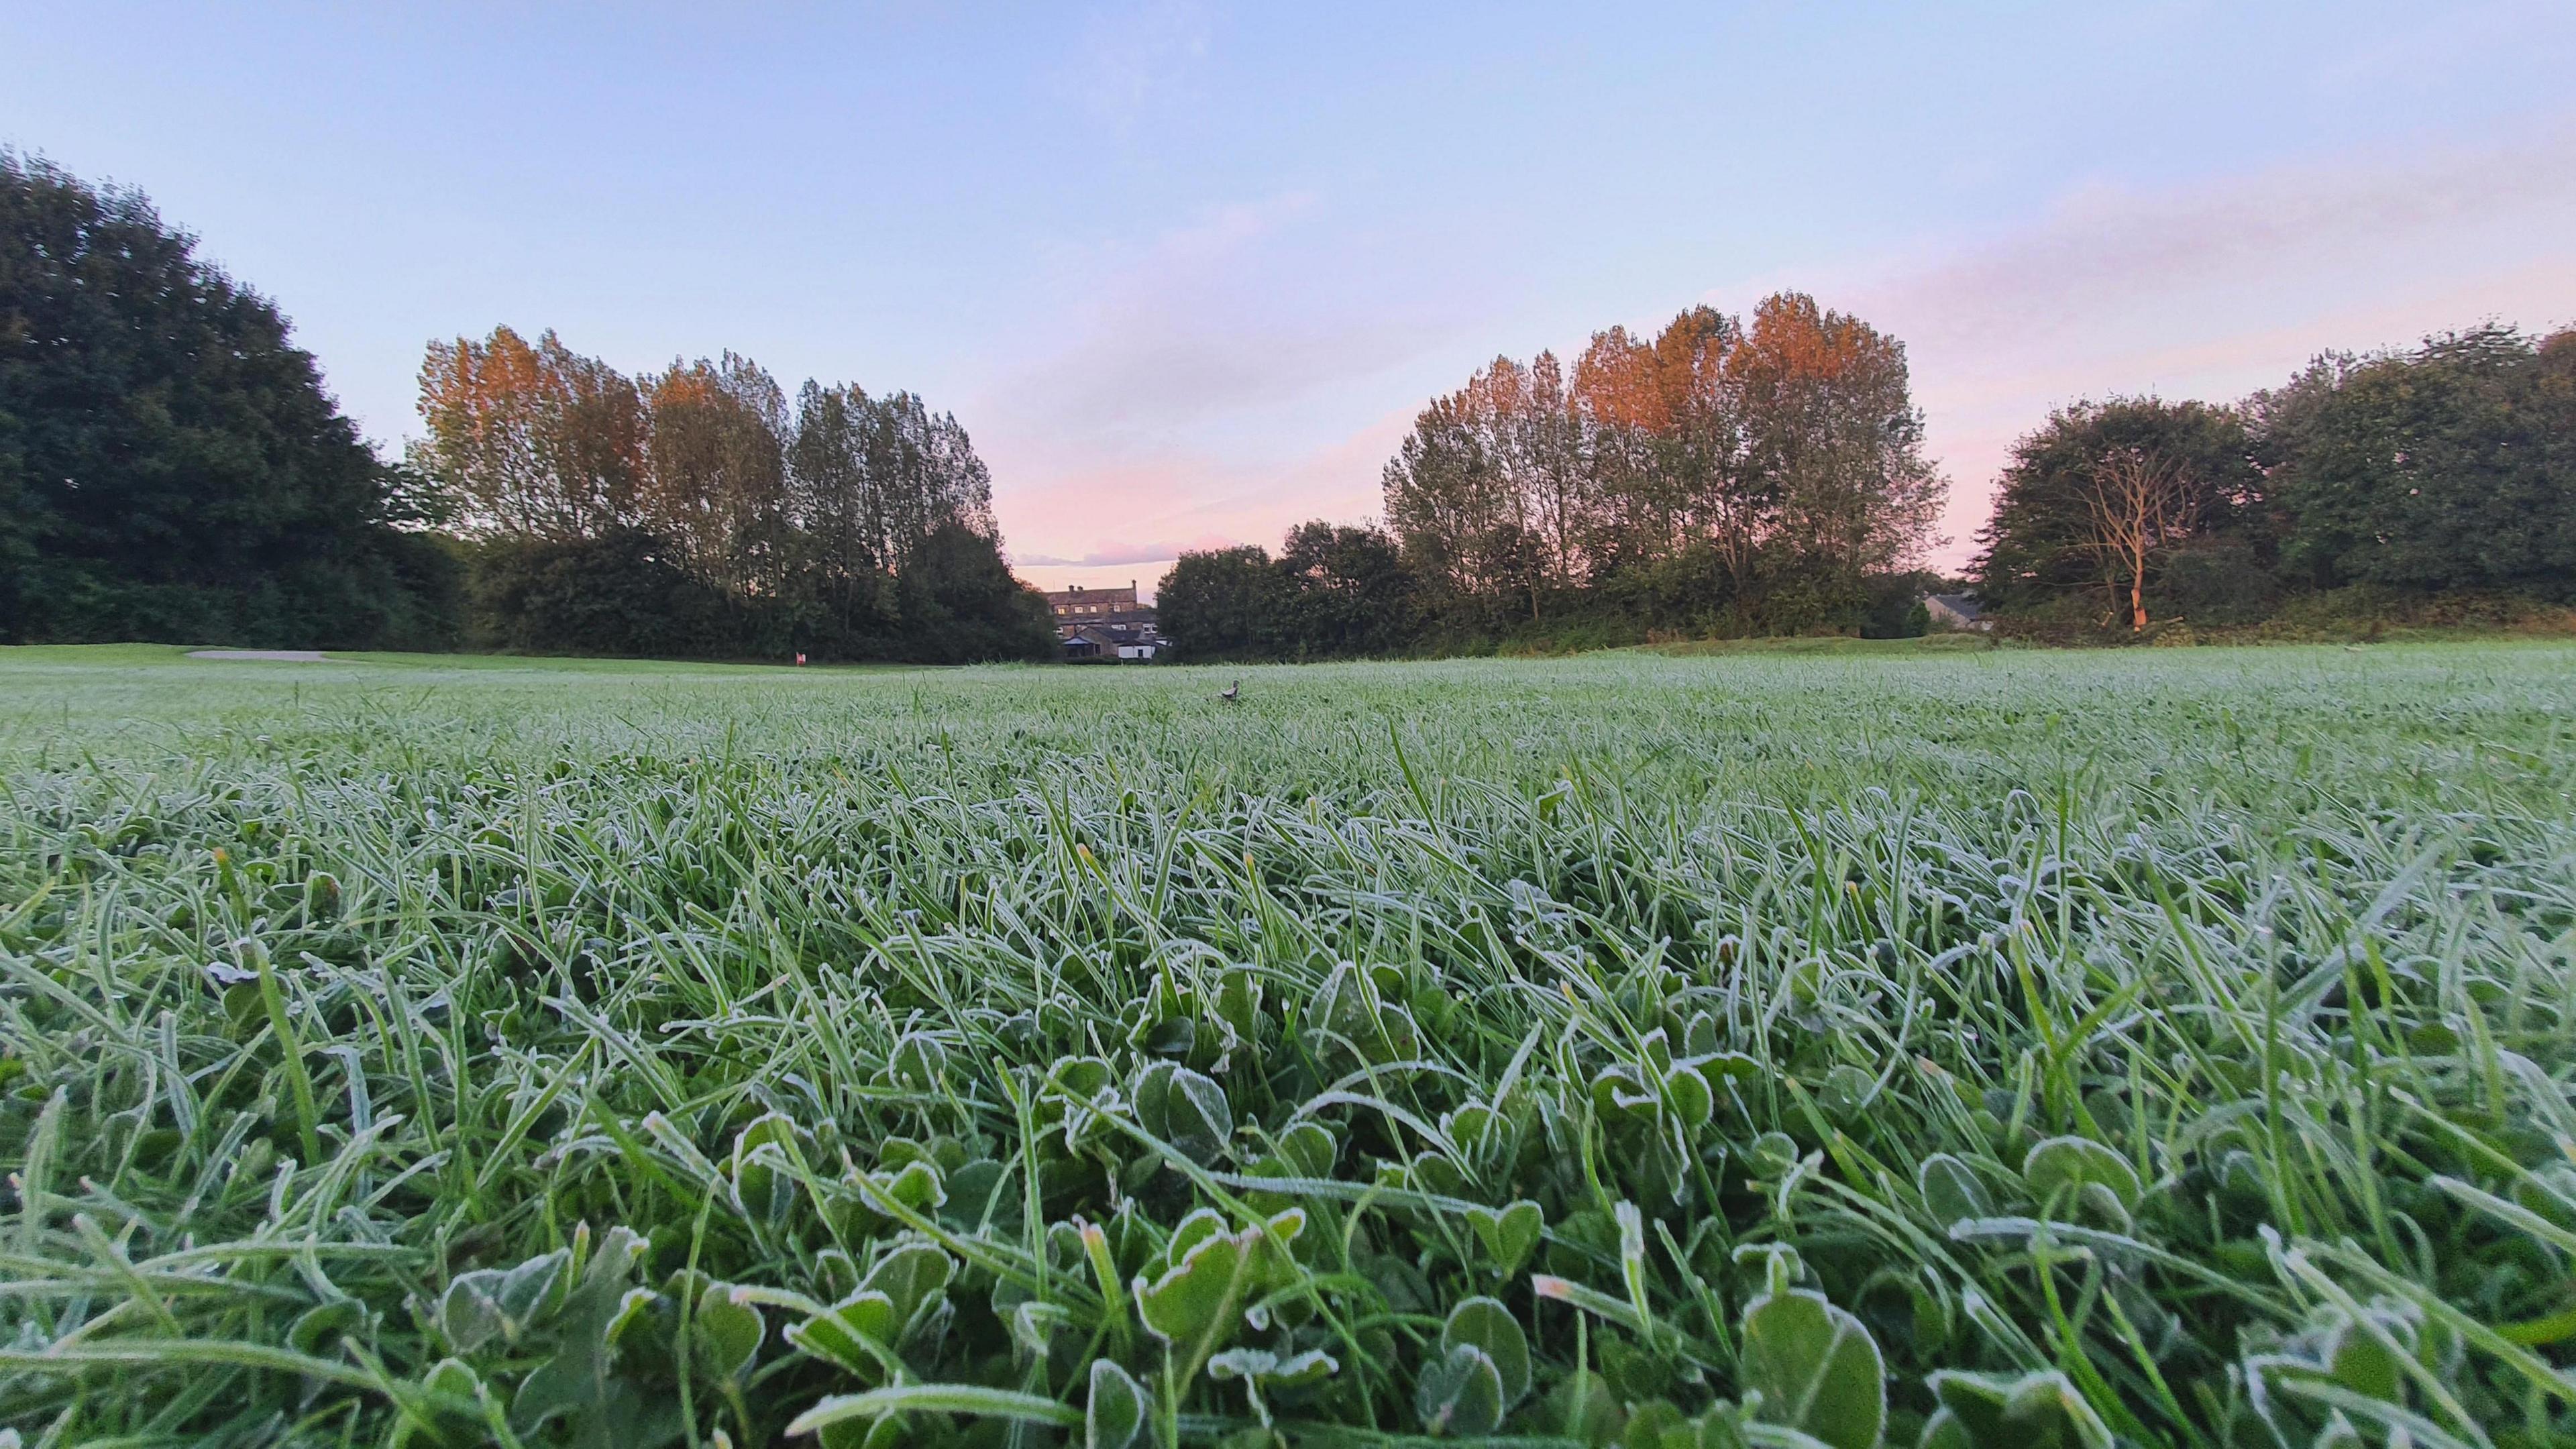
2448	468
170	466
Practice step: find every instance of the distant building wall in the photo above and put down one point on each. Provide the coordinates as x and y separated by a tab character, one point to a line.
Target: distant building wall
1081	605
1076	607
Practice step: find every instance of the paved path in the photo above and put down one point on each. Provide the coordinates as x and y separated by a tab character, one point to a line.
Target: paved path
282	656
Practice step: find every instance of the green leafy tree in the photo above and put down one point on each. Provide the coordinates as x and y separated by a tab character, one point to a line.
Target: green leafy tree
1222	604
621	593
2048	540
2449	467
1344	591
961	604
170	466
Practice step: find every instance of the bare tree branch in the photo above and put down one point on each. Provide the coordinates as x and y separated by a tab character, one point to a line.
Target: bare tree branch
2138	502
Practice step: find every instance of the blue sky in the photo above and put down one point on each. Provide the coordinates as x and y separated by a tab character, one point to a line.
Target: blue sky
1186	270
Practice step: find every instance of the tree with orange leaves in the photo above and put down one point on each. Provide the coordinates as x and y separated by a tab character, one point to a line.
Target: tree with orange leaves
718	484
1833	436
532	441
1789	454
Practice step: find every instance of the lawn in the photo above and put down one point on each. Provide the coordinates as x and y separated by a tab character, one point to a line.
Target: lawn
1955	1047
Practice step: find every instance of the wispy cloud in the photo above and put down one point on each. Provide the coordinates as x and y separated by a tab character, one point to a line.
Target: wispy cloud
1173	405
1198	323
1109	555
1179	494
1181	402
2112	254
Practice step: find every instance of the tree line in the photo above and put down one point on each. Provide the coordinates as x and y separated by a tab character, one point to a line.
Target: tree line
1732	480
171	468
1718	478
2362	485
696	512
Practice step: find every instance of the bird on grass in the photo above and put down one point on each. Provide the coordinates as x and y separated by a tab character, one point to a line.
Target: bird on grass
1230	691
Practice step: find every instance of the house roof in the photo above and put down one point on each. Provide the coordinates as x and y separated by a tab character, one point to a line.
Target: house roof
1963	605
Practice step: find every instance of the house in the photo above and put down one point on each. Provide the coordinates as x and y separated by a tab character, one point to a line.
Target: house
1077	606
1128	643
1956	611
1105	624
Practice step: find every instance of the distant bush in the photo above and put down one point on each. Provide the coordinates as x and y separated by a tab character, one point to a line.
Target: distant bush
626	594
621	594
2216	581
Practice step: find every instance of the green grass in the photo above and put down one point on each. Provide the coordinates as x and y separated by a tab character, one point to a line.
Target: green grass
19	660
1975	1048
1833	644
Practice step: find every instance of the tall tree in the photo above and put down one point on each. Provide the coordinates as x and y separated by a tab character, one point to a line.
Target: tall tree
1661	437
1831	425
871	480
1512	550
830	500
718	481
1549	455
1450	499
535	441
170	465
1725	504
1625	422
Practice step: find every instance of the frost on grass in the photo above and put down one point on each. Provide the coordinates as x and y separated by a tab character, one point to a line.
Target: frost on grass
1982	1051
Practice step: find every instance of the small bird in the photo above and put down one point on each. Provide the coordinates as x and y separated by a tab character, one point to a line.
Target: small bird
1230	691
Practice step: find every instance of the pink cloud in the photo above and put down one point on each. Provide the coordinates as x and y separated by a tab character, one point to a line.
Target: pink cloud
1114	554
1179	408
1196	326
1178	494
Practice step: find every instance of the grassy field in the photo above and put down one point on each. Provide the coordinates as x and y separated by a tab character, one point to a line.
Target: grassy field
1958	1048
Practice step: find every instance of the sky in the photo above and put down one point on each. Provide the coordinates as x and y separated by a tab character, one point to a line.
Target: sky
1185	271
